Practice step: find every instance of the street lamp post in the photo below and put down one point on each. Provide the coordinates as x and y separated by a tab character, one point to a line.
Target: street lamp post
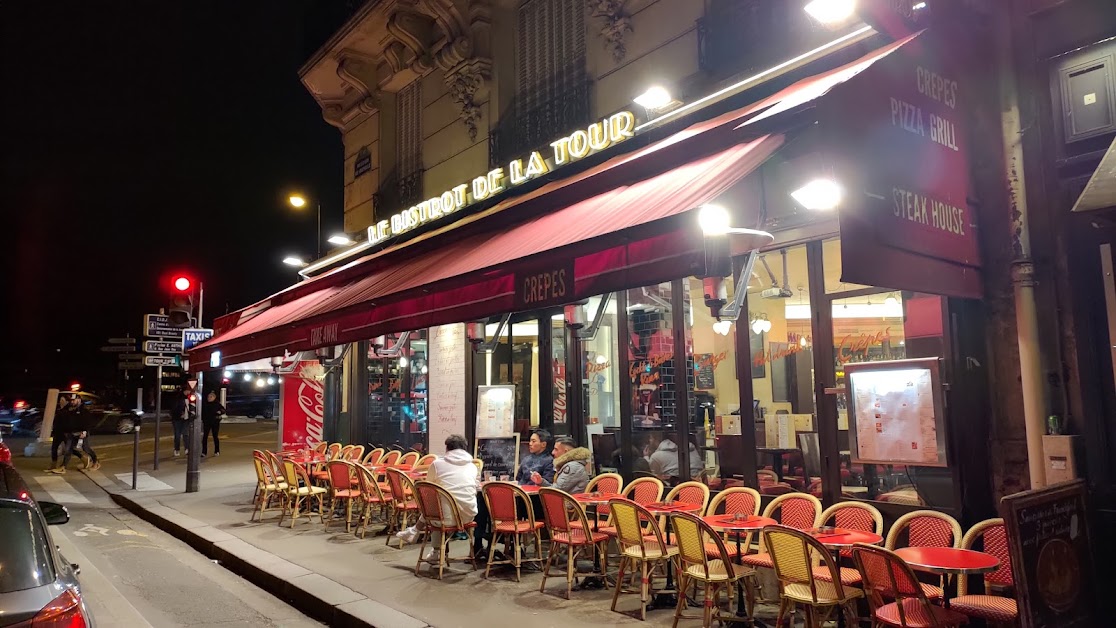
298	201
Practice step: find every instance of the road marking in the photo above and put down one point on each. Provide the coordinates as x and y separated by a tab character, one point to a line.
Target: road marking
130	532
144	482
89	529
60	490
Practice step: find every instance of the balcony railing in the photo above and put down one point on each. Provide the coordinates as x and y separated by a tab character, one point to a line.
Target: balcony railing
539	116
397	193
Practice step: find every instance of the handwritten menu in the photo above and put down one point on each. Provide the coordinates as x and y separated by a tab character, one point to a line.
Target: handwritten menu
897	415
447	394
500	455
495	411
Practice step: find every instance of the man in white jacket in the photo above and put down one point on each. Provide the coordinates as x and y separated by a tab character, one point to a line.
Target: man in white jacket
456	473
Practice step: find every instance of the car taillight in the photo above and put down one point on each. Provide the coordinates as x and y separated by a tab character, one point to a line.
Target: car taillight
63	612
5	453
19	405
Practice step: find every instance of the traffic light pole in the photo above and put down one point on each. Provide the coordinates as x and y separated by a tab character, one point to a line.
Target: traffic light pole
193	460
158	411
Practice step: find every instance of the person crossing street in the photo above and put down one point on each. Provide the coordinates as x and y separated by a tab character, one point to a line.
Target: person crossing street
212	411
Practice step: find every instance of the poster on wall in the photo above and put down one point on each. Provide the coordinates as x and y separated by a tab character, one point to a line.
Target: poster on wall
447	385
303	408
896	412
704	365
495	411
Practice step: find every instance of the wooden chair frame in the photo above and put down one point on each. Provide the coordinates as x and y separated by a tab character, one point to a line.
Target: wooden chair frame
561	523
523	530
433	502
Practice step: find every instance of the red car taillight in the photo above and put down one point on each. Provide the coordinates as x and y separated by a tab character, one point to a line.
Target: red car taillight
63	612
19	405
5	453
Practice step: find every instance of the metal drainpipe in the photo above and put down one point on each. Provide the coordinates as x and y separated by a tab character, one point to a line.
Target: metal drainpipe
1022	267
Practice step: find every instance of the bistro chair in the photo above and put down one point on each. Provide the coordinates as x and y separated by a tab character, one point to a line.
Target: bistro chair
342	474
640	548
714	570
425	461
371	498
692	492
268	486
991	608
273	460
643	491
926	528
505	500
738	499
299	488
480	465
440	512
888	577
569	530
800	511
390	459
318	471
355	453
409	458
853	516
609	483
794	554
402	501
373	457
320	448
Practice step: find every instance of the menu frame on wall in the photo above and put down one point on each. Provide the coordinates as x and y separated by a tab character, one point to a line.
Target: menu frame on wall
858	415
495	411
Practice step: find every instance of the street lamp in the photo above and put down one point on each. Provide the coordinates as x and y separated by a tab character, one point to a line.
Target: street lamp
292	260
299	201
340	239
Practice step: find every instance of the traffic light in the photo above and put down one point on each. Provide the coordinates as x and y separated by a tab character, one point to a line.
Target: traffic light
181	310
191	406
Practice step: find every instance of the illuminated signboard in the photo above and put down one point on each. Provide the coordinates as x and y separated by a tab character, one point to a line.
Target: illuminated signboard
578	145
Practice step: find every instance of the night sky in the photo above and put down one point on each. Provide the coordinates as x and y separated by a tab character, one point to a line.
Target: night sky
143	138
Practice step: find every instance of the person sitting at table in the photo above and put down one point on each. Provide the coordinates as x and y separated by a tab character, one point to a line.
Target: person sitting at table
664	462
456	473
538	458
572	464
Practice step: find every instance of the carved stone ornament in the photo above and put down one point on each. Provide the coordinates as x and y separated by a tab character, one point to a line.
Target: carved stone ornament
617	23
467	84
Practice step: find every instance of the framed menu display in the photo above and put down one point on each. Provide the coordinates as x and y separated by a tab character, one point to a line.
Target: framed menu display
495	411
896	413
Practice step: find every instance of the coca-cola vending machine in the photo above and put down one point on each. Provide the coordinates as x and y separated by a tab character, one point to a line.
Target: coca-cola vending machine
302	416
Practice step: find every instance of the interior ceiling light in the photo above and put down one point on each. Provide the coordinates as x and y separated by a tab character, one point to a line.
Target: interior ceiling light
831	11
714	220
722	327
247	377
601	358
819	195
655	98
891	301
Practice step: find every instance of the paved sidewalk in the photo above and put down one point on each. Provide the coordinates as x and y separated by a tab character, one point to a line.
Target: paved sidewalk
343	580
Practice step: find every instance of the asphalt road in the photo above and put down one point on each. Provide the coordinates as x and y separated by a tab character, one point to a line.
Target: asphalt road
133	574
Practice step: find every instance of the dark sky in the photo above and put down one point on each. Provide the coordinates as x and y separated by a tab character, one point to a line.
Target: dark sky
139	138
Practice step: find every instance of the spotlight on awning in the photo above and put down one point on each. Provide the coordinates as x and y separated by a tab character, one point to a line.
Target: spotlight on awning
297	262
714	220
831	11
340	240
819	195
656	99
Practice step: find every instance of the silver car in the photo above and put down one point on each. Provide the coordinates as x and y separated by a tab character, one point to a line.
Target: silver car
38	586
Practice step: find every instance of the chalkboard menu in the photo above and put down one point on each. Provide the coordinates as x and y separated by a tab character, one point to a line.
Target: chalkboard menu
703	371
1051	556
500	455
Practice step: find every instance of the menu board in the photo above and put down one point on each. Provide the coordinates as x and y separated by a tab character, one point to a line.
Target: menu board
500	455
447	391
895	412
703	371
495	411
1051	556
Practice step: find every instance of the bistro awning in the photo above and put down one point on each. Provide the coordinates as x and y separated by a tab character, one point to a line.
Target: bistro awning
1100	191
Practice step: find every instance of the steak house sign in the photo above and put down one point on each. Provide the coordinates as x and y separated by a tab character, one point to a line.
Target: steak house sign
578	145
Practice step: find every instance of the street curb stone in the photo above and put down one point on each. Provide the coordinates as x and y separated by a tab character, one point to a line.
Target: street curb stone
311	593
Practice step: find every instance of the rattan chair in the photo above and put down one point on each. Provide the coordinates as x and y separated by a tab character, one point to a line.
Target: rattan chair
502	499
794	555
887	577
268	486
605	483
425	461
373	457
852	516
402	501
713	570
926	528
299	488
739	499
641	546
410	458
570	531
342	475
996	609
390	459
440	512
643	491
372	498
800	511
355	453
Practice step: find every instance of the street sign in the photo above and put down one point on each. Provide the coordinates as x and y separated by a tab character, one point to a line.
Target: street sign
130	366
158	326
162	346
195	336
117	348
122	341
161	360
130	357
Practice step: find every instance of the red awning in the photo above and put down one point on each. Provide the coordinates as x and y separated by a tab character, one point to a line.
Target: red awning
632	235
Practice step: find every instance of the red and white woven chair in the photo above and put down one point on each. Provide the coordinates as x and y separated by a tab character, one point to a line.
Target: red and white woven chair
996	609
886	577
851	516
926	528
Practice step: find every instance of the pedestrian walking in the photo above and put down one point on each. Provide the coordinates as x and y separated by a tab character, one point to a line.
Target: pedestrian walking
212	411
178	421
60	433
81	422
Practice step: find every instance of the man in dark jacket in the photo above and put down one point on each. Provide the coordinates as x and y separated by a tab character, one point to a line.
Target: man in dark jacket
60	432
178	420
538	458
80	423
212	411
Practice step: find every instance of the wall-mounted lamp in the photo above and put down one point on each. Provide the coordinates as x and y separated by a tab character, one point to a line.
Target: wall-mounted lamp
760	324
831	12
656	99
722	327
819	195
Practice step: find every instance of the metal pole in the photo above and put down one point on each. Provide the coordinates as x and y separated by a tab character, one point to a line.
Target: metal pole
135	454
319	230
158	411
193	461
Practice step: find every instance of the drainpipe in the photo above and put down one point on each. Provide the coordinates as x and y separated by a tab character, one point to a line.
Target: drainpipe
1022	267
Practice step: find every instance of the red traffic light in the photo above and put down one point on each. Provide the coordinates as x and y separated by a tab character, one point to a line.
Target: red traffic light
192	398
182	284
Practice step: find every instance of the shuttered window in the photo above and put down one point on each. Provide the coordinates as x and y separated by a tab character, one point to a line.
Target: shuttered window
409	113
550	50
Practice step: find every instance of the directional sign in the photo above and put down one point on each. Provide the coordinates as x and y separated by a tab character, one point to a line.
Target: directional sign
158	326
130	357
122	341
161	360
117	348
129	366
195	336
162	346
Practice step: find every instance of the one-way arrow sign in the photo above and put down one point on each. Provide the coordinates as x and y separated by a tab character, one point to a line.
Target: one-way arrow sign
161	360
161	346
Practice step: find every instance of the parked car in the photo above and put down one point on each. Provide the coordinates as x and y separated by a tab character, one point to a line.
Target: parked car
107	417
252	406
38	586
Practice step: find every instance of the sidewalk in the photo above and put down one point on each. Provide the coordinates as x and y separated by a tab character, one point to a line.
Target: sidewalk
343	580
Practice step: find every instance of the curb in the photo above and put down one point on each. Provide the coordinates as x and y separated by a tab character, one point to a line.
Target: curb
311	593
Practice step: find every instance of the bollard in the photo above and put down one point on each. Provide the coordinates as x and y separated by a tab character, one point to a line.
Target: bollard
135	454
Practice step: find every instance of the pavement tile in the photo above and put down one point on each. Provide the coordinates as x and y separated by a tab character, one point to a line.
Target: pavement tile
282	569
213	535
325	589
376	614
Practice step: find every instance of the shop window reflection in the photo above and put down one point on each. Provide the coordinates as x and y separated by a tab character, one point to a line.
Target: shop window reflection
515	360
397	393
714	391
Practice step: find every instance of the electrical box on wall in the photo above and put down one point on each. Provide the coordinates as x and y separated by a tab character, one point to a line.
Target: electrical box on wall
1086	89
1059	454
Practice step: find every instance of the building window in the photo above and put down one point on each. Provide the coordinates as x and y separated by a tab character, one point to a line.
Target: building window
409	111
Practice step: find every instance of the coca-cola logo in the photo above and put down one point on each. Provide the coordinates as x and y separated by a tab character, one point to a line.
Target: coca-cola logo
311	401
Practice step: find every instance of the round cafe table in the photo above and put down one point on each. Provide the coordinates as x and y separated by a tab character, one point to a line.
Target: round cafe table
750	523
662	509
596	499
948	561
837	539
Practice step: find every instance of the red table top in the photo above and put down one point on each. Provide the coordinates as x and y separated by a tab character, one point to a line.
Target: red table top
529	488
377	467
948	560
726	522
844	537
661	508
599	498
306	459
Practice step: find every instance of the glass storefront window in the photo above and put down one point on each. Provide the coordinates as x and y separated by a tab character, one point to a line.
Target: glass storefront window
515	360
600	376
397	393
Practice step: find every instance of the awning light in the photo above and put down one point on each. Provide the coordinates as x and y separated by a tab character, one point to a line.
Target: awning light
291	260
831	11
340	240
819	195
654	99
714	220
